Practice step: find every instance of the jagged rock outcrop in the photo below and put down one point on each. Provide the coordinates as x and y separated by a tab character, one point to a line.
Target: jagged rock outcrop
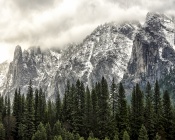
105	52
153	51
139	52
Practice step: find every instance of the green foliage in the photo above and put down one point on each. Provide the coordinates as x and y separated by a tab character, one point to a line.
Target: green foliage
58	138
167	116
81	138
157	106
104	109
126	136
57	129
2	132
116	136
157	137
113	94
122	111
40	134
30	124
143	134
137	109
58	106
149	112
86	114
48	131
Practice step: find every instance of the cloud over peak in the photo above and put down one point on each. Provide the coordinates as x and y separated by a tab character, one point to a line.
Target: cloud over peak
48	23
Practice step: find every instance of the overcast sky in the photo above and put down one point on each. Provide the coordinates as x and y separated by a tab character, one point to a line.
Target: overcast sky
54	23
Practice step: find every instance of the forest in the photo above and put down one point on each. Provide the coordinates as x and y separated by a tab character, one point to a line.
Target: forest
99	113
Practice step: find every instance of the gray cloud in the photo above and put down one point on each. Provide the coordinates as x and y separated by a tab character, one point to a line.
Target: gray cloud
50	23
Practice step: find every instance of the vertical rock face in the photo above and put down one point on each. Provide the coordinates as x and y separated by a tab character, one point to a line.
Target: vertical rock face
105	52
140	53
153	51
3	75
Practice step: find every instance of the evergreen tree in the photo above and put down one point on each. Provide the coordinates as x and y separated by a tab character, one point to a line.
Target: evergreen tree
76	136
79	108
30	112
48	131
116	136
94	112
58	106
17	112
22	132
88	111
149	112
122	111
113	98
42	105
157	137
2	132
57	130
104	110
50	111
126	136
1	107
137	109
167	116
157	105
143	134
40	134
36	107
58	138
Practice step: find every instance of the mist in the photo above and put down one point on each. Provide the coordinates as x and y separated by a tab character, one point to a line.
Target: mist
55	23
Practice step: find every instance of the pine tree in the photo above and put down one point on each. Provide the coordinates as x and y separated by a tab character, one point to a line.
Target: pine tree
36	107
40	134
17	112
30	112
50	113
149	112
116	136
137	109
58	106
58	138
21	132
126	136
1	107
122	111
57	130
157	105
157	137
104	109
88	111
143	134
2	132
167	116
113	98
42	105
79	101
76	136
94	112
8	121
48	131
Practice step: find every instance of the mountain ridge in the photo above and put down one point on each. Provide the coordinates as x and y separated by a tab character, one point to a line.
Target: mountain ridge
111	50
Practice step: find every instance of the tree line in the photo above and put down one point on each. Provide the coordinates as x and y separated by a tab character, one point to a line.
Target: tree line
99	113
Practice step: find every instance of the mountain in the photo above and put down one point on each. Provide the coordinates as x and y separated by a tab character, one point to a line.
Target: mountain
3	71
153	52
128	52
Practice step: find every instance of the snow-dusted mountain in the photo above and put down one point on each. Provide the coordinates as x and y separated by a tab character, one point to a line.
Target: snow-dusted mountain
153	52
112	50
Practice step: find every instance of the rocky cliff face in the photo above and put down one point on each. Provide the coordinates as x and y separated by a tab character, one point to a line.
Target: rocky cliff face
153	51
128	52
105	52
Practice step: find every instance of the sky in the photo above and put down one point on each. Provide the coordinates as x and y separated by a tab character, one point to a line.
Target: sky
55	23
